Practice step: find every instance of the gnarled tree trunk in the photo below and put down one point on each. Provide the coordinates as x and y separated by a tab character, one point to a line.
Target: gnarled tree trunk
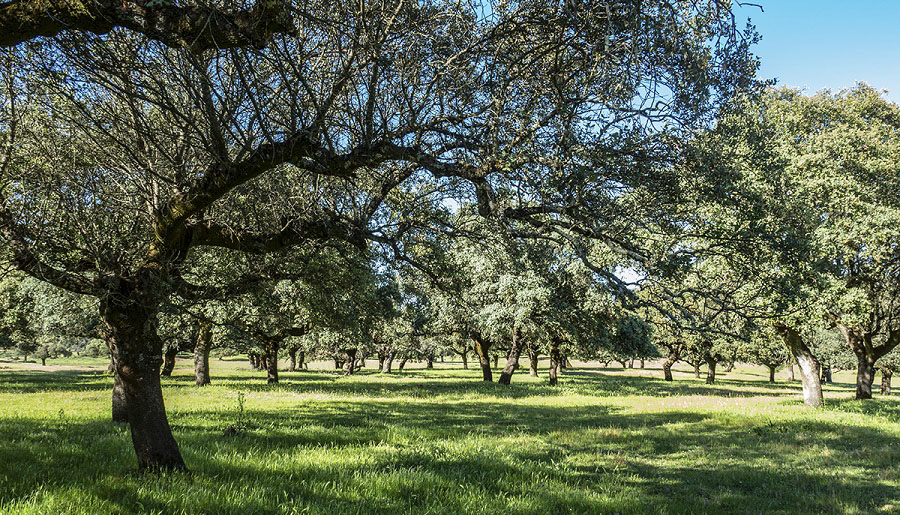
131	332
807	363
201	355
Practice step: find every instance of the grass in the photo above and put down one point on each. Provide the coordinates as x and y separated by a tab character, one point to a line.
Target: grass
440	441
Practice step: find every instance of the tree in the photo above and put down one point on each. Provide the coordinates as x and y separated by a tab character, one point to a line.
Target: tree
135	155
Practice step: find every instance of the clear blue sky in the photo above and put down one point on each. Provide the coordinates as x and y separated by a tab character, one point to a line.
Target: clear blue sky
817	44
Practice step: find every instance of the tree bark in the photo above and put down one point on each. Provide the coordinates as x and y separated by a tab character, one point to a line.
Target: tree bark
771	373
791	377
667	366
886	381
826	374
402	363
301	359
554	362
729	366
642	362
465	360
131	331
631	363
201	355
429	361
271	359
496	360
169	361
710	371
349	361
807	363
697	370
533	363
388	361
292	356
482	347
512	361
865	376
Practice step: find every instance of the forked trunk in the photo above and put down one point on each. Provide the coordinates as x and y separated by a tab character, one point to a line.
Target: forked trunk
807	363
131	333
512	361
169	362
201	355
886	381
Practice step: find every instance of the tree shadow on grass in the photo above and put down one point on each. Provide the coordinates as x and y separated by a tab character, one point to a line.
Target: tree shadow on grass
26	381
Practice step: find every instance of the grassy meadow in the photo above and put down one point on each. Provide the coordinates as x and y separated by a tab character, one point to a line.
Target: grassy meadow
441	441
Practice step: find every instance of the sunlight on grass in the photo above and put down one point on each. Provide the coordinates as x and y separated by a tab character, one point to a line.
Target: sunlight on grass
440	441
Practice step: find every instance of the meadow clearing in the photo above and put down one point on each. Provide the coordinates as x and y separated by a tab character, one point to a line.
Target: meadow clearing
605	440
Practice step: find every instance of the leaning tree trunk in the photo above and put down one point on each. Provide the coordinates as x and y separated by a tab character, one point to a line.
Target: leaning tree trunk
886	381
402	363
201	355
554	363
807	363
729	366
533	363
667	366
349	361
512	361
481	348
771	373
710	371
131	333
169	362
865	375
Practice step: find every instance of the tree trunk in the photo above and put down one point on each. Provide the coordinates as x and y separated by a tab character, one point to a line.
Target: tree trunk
631	363
338	365
533	363
565	363
131	333
301	359
402	363
482	347
771	373
808	364
826	374
349	361
554	362
886	381
169	362
791	377
865	376
710	371
381	357
729	366
496	360
642	362
512	361
43	361
429	362
292	357
271	359
201	355
697	370
667	366
465	360
388	361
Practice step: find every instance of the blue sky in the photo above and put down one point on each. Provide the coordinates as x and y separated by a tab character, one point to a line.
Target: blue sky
816	44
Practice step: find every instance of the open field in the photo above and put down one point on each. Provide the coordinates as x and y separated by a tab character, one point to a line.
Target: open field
441	441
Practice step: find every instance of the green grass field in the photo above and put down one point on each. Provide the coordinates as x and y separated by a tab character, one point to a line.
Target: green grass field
441	441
